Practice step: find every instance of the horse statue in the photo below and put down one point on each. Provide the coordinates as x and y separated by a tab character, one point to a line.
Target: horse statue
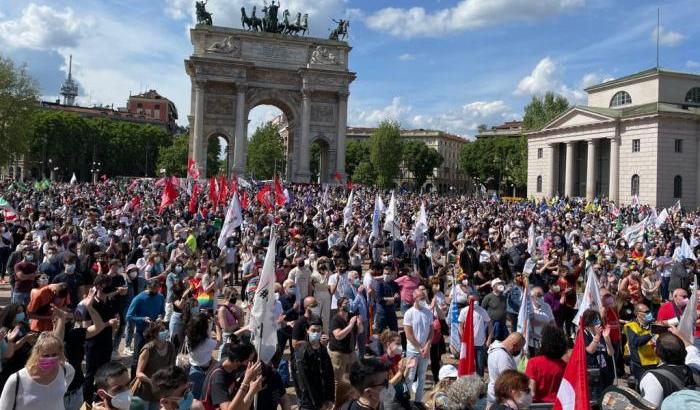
285	27
269	22
252	22
295	27
304	26
340	32
203	16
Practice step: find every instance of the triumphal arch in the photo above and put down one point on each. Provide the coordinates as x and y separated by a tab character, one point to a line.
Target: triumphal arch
232	71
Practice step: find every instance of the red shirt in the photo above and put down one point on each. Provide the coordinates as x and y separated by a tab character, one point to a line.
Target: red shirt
40	304
613	320
547	374
667	312
408	284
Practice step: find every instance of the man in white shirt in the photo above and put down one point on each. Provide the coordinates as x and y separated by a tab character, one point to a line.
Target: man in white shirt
418	325
339	285
483	332
301	275
501	357
541	315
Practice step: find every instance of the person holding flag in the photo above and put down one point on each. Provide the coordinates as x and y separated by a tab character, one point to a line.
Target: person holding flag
481	332
599	353
572	393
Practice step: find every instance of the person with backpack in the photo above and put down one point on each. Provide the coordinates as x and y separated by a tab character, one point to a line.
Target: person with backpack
228	378
680	364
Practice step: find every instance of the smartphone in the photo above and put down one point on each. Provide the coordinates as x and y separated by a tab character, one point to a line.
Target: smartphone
658	329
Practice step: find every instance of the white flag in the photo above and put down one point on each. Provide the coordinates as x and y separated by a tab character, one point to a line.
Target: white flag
634	232
524	324
376	216
591	295
324	198
677	207
661	218
73	179
347	212
263	325
690	314
635	201
421	227
531	240
684	252
390	223
455	340
233	220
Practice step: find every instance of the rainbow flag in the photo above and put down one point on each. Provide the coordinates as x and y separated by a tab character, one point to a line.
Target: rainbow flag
205	301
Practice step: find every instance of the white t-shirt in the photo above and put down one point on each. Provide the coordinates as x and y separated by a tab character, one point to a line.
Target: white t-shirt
34	396
481	323
201	355
340	280
651	388
421	321
499	360
541	316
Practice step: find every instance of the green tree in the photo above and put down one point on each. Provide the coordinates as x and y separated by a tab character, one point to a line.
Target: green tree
385	144
18	100
355	152
314	167
421	160
494	160
542	110
174	157
215	166
264	148
364	173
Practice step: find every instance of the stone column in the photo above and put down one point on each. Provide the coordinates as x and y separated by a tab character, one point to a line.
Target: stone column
614	182
550	189
342	130
199	153
304	143
569	179
590	170
241	144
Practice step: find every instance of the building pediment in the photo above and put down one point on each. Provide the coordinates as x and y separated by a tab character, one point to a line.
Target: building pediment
578	116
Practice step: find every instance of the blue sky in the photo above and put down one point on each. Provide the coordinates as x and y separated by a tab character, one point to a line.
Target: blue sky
441	64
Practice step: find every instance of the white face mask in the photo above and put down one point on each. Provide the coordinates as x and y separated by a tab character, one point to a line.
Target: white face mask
122	401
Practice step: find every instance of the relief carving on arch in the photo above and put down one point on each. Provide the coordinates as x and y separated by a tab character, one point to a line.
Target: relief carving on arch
218	105
322	113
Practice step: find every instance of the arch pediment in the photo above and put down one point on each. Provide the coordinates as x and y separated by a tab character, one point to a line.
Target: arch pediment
578	116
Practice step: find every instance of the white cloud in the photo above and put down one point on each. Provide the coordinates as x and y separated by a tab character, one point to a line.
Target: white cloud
462	120
467	14
43	28
692	64
228	13
667	38
407	57
547	76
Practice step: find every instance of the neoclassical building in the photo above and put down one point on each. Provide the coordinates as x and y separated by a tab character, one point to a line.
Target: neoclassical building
638	134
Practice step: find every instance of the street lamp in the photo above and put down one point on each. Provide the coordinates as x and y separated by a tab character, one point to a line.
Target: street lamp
95	170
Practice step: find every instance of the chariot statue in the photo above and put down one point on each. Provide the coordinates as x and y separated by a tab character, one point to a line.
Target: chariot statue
203	16
271	24
252	22
341	31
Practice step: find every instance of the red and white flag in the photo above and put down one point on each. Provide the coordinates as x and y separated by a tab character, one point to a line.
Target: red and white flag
573	390
192	170
280	197
467	353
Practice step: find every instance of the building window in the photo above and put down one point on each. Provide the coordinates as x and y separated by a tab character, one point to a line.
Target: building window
157	107
539	183
636	144
677	186
693	95
635	185
620	98
678	145
540	153
139	105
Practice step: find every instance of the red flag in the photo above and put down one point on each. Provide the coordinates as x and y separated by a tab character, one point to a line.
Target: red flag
135	202
263	197
169	195
213	191
338	177
349	183
234	183
244	200
467	354
192	171
223	189
280	197
192	206
573	390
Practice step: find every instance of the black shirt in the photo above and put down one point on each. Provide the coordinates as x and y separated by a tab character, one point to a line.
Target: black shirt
74	281
107	311
344	345
299	329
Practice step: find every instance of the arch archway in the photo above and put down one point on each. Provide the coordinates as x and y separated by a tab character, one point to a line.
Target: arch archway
219	147
320	161
233	71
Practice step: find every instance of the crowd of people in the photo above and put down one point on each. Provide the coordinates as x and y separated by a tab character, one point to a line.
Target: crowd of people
119	303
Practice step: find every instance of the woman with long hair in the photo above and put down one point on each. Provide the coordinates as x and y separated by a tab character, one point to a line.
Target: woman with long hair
158	353
43	381
200	346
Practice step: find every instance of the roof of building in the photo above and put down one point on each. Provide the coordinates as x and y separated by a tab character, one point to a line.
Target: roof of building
108	111
641	74
149	95
414	133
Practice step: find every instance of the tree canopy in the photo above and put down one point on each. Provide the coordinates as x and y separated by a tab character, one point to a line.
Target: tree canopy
542	110
356	151
493	160
264	148
385	152
18	96
421	160
173	158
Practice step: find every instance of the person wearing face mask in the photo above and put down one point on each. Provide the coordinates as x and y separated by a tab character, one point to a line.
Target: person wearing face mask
341	347
640	345
408	283
144	308
385	300
25	273
43	382
43	304
418	326
599	352
483	332
511	391
73	280
495	305
370	379
321	292
301	276
670	312
314	371
112	385
540	316
501	358
359	306
156	354
231	377
173	389
176	273
311	310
